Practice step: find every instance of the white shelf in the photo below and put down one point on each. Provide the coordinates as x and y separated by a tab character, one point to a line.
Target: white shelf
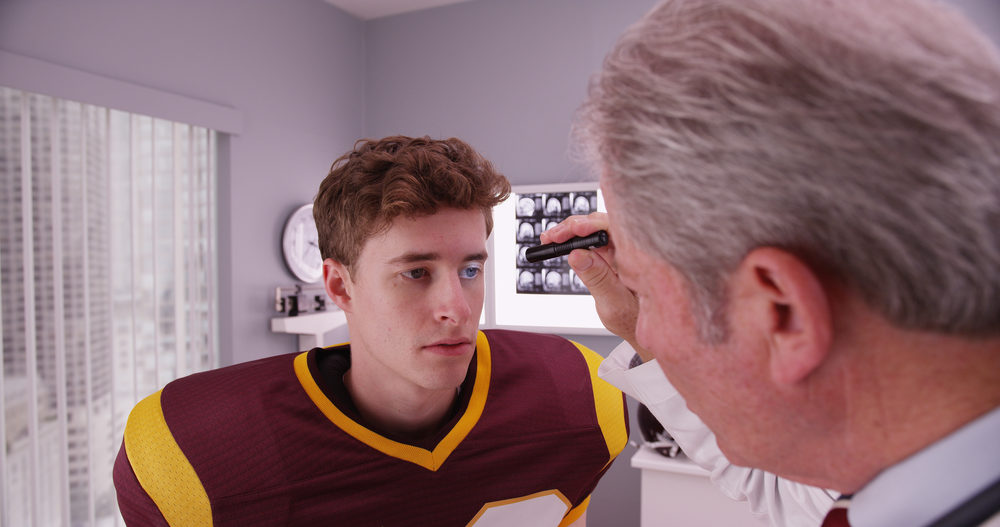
647	458
310	327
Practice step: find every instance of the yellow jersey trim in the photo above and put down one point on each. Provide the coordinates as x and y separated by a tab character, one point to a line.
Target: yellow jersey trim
608	404
429	459
162	468
575	514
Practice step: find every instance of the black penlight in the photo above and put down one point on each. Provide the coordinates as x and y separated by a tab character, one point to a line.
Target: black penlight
553	250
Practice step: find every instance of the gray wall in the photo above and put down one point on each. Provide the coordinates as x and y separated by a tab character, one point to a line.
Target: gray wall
505	75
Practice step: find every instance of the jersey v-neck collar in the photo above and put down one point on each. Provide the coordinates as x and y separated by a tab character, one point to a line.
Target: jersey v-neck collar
430	459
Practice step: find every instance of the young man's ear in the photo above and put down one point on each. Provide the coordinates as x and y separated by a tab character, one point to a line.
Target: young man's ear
337	280
790	308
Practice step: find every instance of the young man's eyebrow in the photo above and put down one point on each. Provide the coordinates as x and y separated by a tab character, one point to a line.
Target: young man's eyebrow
408	258
414	257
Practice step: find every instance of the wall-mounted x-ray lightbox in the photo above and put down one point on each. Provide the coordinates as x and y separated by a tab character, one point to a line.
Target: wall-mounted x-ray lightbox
544	295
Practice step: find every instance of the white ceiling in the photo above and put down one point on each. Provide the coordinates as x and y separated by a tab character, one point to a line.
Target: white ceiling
369	9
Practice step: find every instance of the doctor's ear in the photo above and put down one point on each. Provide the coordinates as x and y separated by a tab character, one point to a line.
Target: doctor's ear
790	308
338	284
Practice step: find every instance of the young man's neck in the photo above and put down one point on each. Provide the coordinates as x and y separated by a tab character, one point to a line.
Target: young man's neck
412	413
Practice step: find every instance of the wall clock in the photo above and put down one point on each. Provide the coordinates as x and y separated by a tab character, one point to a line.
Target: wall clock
300	245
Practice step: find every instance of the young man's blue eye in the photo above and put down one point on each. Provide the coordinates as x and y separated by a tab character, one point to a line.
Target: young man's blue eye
471	271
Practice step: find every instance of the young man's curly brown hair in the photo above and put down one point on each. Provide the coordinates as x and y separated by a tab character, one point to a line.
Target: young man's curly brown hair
380	180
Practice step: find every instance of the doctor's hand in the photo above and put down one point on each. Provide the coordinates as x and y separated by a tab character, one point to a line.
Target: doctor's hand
617	306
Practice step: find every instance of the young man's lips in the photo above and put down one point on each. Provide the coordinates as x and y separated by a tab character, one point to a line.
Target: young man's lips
450	347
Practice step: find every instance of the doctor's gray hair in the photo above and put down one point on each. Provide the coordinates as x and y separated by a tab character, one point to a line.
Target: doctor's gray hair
862	136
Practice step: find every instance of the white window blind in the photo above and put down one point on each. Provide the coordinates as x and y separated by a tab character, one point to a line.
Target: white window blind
108	266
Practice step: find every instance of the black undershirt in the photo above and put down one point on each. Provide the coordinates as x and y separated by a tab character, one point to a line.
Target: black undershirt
328	366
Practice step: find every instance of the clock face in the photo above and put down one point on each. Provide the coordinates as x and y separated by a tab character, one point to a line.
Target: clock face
300	245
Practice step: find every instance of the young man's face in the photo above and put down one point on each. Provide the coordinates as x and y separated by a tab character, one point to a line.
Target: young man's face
415	300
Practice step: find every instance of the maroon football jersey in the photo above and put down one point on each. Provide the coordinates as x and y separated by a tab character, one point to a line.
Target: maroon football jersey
260	444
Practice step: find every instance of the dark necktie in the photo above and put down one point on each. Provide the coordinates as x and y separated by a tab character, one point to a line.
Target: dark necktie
837	516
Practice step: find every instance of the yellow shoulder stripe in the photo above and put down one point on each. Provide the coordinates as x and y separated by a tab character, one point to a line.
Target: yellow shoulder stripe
609	405
162	469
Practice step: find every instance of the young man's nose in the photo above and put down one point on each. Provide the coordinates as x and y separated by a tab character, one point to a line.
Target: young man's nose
450	300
